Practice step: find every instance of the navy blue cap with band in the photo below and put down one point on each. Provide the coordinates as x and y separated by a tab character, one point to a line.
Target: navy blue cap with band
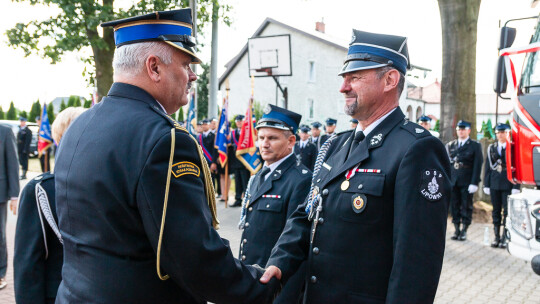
279	118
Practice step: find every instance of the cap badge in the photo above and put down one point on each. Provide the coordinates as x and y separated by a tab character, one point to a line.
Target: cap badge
267	109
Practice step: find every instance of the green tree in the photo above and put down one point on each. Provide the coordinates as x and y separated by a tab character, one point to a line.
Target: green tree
202	91
88	103
180	115
507	122
78	102
437	126
2	114
257	110
76	26
35	111
62	106
459	20
71	101
11	113
50	112
23	114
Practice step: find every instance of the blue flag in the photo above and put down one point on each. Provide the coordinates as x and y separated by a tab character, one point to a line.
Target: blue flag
191	120
222	142
45	138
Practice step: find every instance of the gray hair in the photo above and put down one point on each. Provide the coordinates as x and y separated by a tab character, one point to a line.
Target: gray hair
401	83
63	120
130	59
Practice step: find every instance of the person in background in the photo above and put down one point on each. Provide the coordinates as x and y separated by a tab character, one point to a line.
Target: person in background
425	121
466	158
316	138
213	125
24	138
45	158
496	183
9	191
241	173
354	123
305	151
274	194
38	258
330	127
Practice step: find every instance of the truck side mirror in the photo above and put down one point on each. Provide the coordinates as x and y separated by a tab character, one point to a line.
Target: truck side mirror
507	37
501	82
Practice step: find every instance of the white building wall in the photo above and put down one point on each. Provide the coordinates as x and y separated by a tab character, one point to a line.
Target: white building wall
324	90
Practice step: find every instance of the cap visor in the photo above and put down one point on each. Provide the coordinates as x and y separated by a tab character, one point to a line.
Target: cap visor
358	65
185	49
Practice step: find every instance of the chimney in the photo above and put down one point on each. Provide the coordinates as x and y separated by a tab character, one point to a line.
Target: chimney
319	26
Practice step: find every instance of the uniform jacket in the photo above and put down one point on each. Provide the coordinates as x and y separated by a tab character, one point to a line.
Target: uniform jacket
306	155
111	176
269	207
469	159
387	247
492	178
233	161
208	142
24	137
9	165
37	265
320	141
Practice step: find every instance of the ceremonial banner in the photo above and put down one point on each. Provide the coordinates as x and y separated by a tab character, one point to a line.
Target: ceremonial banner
191	120
45	138
247	152
222	142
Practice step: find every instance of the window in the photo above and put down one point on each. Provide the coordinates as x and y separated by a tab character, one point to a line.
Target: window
310	103
311	71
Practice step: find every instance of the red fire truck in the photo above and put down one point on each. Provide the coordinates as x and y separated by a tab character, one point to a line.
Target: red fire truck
523	154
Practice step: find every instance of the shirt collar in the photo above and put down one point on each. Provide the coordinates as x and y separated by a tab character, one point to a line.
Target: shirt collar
502	145
374	124
462	142
207	132
304	142
159	103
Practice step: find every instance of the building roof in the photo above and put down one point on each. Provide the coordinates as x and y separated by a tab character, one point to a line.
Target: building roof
429	94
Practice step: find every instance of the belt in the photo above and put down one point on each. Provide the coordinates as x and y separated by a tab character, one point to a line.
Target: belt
458	166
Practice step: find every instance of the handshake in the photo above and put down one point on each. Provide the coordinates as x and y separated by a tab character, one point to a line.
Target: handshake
271	277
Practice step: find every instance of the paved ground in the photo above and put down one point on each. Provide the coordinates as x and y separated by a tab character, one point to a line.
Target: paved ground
472	272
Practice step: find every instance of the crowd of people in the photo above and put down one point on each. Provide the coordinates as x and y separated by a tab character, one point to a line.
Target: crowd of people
129	215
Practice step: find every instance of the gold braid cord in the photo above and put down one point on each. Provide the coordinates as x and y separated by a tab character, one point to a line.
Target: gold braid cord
210	197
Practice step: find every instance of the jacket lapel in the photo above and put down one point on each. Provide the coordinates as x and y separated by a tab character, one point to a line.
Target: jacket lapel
374	140
276	174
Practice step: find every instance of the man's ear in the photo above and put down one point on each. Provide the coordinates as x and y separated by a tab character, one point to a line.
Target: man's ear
391	80
153	68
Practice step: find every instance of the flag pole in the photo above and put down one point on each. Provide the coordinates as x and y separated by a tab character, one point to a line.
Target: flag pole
227	186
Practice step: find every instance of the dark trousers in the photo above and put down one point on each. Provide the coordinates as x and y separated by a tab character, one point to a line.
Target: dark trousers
45	161
462	205
241	178
23	160
499	200
3	248
217	183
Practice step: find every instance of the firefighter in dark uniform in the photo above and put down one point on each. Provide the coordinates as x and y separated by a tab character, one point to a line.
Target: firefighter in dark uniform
241	173
354	123
24	138
316	138
305	151
37	263
496	183
466	158
274	193
330	127
206	140
135	203
373	227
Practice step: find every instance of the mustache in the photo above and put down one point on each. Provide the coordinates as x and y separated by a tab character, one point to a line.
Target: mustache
189	85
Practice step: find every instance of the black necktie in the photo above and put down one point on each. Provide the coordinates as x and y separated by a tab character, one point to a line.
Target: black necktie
264	171
358	137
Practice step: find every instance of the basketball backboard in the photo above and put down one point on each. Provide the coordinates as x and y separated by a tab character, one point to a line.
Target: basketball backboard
270	56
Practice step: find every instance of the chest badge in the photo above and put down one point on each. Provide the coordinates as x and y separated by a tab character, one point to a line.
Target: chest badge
431	185
359	202
345	185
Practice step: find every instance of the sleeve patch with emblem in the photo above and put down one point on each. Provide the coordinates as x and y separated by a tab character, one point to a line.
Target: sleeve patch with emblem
430	188
183	168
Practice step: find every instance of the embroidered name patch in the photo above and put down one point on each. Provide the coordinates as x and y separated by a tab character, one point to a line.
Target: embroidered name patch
431	185
183	168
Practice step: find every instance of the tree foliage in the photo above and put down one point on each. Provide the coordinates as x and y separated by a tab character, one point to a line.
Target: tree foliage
202	91
181	116
12	112
87	103
50	112
76	27
62	106
2	114
35	111
23	114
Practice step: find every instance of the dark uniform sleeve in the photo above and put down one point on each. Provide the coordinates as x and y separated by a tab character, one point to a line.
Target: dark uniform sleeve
28	140
292	246
419	224
192	253
477	166
487	179
300	193
29	258
12	165
313	158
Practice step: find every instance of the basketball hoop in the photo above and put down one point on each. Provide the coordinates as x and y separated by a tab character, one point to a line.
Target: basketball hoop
268	71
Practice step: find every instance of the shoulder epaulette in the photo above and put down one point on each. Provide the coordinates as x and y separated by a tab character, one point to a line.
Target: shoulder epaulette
415	129
43	176
173	122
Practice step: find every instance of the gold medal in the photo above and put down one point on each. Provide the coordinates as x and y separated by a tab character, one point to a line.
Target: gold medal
345	185
456	165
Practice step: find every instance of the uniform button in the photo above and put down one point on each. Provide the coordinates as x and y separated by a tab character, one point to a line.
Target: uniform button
246	225
267	205
318	180
316	250
321	220
313	279
250	209
325	192
244	241
243	258
360	186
